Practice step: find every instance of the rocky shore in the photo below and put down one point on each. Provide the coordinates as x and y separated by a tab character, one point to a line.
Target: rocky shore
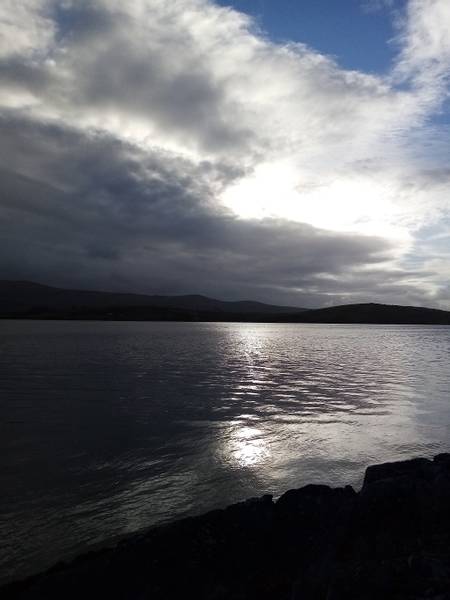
391	540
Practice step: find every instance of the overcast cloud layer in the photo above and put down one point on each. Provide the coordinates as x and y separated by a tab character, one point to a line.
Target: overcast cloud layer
168	146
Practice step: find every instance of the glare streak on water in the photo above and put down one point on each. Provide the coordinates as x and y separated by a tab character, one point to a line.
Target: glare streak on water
107	428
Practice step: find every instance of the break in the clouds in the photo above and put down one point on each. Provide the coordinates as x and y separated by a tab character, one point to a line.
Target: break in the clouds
169	146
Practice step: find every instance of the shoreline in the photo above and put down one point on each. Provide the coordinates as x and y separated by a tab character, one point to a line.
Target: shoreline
389	540
216	320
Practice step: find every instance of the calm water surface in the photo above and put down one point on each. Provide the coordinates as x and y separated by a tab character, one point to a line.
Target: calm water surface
108	427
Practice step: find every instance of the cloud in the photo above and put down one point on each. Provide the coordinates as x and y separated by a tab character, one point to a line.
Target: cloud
165	73
425	39
27	30
169	146
99	211
373	6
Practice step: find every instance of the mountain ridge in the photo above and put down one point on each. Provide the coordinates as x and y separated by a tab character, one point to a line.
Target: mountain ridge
22	299
377	313
20	296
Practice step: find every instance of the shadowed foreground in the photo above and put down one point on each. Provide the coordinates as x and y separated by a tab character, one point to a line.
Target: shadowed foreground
390	540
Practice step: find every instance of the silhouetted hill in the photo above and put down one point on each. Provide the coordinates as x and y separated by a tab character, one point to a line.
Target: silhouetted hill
24	298
375	313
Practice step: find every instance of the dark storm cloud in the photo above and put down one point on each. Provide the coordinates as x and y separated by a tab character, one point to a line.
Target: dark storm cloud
90	210
18	75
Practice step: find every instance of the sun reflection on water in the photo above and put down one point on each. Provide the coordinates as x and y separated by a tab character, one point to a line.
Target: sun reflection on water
247	446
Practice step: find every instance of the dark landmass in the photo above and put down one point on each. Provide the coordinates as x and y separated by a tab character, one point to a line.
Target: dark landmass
26	300
389	314
389	541
33	300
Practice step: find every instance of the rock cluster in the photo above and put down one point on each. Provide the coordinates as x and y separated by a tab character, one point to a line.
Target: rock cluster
389	541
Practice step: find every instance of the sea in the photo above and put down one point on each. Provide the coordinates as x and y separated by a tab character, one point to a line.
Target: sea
109	428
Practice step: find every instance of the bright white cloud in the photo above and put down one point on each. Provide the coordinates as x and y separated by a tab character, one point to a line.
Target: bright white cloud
25	28
425	37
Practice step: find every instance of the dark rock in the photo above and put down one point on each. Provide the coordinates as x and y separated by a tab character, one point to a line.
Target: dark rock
390	541
411	469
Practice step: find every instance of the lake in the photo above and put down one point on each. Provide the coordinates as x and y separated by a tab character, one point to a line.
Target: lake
107	428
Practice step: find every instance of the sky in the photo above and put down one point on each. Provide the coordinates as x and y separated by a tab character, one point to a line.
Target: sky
293	152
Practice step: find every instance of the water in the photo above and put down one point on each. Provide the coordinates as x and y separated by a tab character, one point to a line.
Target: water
109	427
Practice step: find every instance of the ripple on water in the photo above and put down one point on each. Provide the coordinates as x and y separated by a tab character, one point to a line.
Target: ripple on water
110	427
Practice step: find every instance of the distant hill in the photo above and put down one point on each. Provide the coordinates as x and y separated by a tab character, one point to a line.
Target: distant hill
25	298
375	313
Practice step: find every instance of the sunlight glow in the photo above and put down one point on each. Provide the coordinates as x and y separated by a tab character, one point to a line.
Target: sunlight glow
247	446
345	202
